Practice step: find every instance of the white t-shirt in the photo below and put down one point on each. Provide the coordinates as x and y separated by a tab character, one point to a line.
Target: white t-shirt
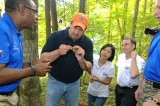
96	88
123	77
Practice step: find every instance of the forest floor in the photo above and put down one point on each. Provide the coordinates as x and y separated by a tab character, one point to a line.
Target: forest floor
83	93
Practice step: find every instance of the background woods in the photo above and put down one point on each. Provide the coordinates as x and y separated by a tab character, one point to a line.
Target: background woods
109	22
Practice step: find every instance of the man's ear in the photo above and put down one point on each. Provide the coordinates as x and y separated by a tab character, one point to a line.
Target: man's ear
134	46
21	9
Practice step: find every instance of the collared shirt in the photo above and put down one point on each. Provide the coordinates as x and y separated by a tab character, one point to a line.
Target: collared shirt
123	78
96	88
66	68
152	69
10	49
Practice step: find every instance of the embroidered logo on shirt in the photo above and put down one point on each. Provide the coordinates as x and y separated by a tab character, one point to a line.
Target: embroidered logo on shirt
127	68
105	74
1	53
15	48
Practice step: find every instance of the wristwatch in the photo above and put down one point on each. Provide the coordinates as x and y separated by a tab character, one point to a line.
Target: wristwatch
155	101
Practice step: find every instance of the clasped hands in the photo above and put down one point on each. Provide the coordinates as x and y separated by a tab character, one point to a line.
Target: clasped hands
79	52
42	67
93	78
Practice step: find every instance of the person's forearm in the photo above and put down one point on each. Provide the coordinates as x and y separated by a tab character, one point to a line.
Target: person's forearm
134	72
8	75
30	63
106	81
85	65
51	55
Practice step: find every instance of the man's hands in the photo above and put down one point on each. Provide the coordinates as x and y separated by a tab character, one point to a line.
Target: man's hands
63	49
149	103
42	67
79	52
138	93
133	54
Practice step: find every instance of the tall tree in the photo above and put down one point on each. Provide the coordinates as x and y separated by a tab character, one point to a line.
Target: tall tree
47	18
0	13
30	90
143	26
54	15
2	2
135	18
125	17
82	6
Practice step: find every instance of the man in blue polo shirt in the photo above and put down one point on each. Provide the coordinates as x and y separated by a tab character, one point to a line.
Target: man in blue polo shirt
19	14
150	85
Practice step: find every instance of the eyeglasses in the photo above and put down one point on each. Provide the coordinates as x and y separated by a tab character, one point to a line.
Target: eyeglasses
35	11
126	44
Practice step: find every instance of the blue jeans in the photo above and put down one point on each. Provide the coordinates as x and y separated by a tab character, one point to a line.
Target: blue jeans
57	89
96	101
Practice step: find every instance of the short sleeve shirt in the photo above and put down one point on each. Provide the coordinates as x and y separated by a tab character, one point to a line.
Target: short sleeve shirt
10	49
66	68
96	88
123	77
152	69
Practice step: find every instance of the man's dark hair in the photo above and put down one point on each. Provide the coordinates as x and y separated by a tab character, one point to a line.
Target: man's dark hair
11	5
113	51
133	41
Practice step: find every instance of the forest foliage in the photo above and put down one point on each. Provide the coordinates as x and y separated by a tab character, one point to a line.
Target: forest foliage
109	21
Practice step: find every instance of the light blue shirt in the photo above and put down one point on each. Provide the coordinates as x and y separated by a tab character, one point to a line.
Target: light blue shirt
10	49
152	69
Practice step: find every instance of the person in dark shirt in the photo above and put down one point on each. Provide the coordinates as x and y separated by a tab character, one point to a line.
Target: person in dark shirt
71	52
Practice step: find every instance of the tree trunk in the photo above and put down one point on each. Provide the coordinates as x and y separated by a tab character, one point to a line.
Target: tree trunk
143	26
82	6
0	13
125	18
30	90
135	18
47	18
2	2
54	16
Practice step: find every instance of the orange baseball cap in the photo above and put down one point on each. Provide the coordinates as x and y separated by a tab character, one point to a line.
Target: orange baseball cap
80	19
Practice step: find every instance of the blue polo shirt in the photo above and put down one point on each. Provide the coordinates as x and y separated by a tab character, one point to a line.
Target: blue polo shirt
10	49
152	69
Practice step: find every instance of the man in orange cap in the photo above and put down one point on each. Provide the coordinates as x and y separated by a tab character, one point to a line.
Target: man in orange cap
71	52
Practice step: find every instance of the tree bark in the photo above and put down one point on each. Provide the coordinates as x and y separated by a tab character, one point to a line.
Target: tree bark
135	18
0	13
82	6
30	90
54	15
47	18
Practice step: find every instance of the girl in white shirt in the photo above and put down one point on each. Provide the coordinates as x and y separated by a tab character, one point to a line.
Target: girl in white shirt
101	75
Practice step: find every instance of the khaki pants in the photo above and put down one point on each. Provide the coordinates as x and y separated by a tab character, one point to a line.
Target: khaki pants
11	100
